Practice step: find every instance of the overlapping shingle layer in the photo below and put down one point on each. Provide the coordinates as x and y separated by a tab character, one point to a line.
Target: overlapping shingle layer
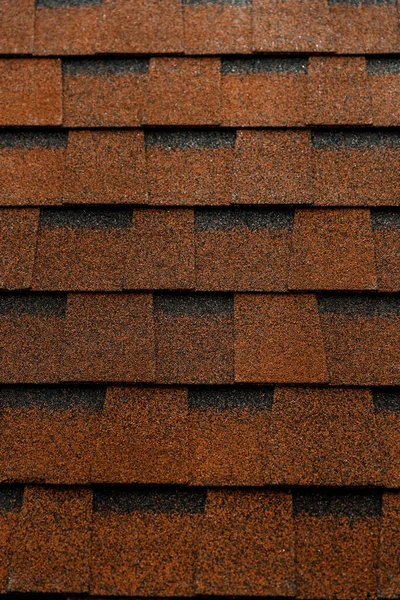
200	298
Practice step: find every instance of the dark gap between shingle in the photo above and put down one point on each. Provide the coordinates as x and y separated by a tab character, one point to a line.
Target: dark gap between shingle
11	497
21	303
386	399
53	399
381	217
151	500
206	2
250	218
200	304
362	2
355	139
352	504
105	66
366	306
86	218
263	65
66	3
190	138
230	398
33	139
383	66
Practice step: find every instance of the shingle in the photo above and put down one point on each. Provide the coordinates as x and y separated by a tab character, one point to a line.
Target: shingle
247	544
48	434
228	435
291	26
10	506
65	27
386	230
387	415
333	249
384	83
160	253
109	337
18	228
324	437
31	92
144	543
389	565
32	167
194	338
16	26
105	167
82	249
104	92
272	167
263	92
183	91
278	339
242	249
338	92
143	437
218	27
51	545
190	166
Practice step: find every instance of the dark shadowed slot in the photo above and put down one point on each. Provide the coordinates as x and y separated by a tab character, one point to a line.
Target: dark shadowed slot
19	303
368	306
386	399
263	65
190	138
231	398
11	497
361	2
105	67
352	504
86	218
385	218
66	3
383	66
217	2
33	139
194	304
355	139
250	218
55	399
151	500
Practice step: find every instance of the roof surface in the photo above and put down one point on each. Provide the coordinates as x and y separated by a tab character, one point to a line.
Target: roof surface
200	299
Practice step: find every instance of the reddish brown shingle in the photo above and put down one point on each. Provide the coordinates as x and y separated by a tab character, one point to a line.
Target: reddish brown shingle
18	229
389	559
16	26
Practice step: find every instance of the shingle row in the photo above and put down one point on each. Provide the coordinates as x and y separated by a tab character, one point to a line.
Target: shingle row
271	92
180	542
73	27
234	249
213	436
190	167
181	338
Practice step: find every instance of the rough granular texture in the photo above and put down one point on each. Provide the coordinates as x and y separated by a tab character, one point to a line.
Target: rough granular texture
200	299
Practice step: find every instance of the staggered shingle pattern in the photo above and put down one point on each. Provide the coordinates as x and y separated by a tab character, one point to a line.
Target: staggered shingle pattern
200	299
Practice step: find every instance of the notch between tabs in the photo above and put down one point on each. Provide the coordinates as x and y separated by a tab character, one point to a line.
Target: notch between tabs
150	499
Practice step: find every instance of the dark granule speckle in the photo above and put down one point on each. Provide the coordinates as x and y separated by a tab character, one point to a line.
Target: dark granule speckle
381	217
105	67
166	500
194	304
251	66
190	138
352	504
230	398
386	399
11	497
250	218
33	304
383	66
86	218
355	139
366	305
216	2
362	2
58	399
30	138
